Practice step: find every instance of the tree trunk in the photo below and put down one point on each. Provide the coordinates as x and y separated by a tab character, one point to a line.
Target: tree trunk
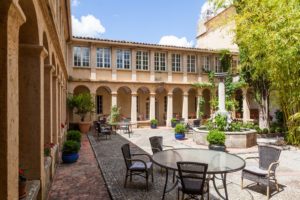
264	121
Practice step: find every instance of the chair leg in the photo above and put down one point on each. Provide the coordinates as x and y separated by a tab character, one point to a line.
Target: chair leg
182	197
147	181
242	183
130	176
268	192
126	179
152	175
177	194
276	183
174	174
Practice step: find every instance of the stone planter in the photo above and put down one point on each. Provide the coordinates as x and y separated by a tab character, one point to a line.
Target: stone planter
22	189
84	127
217	147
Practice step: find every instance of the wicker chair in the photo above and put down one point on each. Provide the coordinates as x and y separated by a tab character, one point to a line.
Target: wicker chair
136	166
192	179
264	173
103	130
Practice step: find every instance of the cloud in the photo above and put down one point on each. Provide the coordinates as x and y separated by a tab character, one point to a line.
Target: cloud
87	26
75	3
208	9
175	41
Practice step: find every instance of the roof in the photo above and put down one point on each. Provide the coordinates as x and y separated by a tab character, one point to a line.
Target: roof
89	39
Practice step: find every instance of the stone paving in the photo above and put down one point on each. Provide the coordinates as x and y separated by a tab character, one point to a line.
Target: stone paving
80	180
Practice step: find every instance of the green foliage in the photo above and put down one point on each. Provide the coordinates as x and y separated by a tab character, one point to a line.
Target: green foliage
74	135
214	103
174	120
180	128
220	122
216	137
249	125
70	146
202	85
114	114
82	103
235	126
210	125
265	131
201	103
294	129
230	104
279	117
154	121
225	59
258	130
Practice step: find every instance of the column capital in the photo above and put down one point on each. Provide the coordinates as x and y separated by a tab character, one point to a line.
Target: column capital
114	93
170	94
185	94
133	93
152	94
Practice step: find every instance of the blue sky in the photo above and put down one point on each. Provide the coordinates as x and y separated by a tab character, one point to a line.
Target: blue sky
137	20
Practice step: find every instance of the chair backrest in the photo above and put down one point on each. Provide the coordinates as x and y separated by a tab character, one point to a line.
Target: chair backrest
192	172
126	155
156	144
268	155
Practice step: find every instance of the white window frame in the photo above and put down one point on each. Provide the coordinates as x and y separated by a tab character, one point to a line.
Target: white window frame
84	60
103	56
160	61
125	62
191	63
218	67
142	60
206	63
176	62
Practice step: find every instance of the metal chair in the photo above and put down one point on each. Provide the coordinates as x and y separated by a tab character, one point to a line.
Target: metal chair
264	173
104	130
136	166
192	179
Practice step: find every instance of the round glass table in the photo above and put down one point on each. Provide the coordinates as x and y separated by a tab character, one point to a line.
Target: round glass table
218	163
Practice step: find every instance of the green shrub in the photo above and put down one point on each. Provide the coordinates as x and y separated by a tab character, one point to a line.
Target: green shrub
272	129
154	121
235	126
265	131
174	120
74	135
209	125
216	137
278	130
258	130
221	122
70	146
180	128
249	125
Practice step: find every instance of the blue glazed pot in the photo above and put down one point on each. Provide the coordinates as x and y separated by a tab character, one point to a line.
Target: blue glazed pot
179	136
70	158
153	125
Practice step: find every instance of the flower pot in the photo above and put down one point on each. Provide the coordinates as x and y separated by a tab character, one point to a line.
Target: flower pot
70	158
196	123
217	147
22	189
84	127
153	125
179	136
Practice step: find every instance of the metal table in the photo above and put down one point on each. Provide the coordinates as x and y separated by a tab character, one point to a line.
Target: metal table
218	163
128	127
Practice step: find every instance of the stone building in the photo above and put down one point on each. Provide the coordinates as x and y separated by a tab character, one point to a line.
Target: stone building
40	63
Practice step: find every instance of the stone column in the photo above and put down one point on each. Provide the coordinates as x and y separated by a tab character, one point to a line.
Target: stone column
31	107
55	109
170	109
152	68
133	65
133	107
152	106
246	107
59	111
184	67
48	119
197	103
11	18
169	67
114	99
114	64
185	106
221	96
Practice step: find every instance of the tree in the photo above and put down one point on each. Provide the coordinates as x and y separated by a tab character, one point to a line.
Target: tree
268	35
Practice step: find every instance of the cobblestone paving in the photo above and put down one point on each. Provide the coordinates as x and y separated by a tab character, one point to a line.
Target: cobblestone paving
81	180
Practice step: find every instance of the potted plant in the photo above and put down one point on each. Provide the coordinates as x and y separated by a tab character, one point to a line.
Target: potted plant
114	114
180	131
153	123
70	151
82	103
22	183
216	140
174	121
74	136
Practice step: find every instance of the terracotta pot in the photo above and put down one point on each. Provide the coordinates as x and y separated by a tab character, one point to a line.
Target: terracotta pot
84	127
22	189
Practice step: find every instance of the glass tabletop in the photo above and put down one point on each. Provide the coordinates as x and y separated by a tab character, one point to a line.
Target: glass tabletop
218	162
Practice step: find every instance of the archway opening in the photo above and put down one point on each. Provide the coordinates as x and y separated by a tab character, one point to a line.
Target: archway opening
192	103
143	104
161	105
177	103
124	102
207	109
103	102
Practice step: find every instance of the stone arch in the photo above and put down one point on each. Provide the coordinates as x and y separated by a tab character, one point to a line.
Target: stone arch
177	102
124	101
143	103
103	101
206	94
81	89
161	94
31	111
192	103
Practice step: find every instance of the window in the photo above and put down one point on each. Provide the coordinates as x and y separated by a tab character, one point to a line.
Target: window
176	63
218	67
99	104
81	56
142	60
206	64
103	57
165	104
160	61
191	63
123	59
